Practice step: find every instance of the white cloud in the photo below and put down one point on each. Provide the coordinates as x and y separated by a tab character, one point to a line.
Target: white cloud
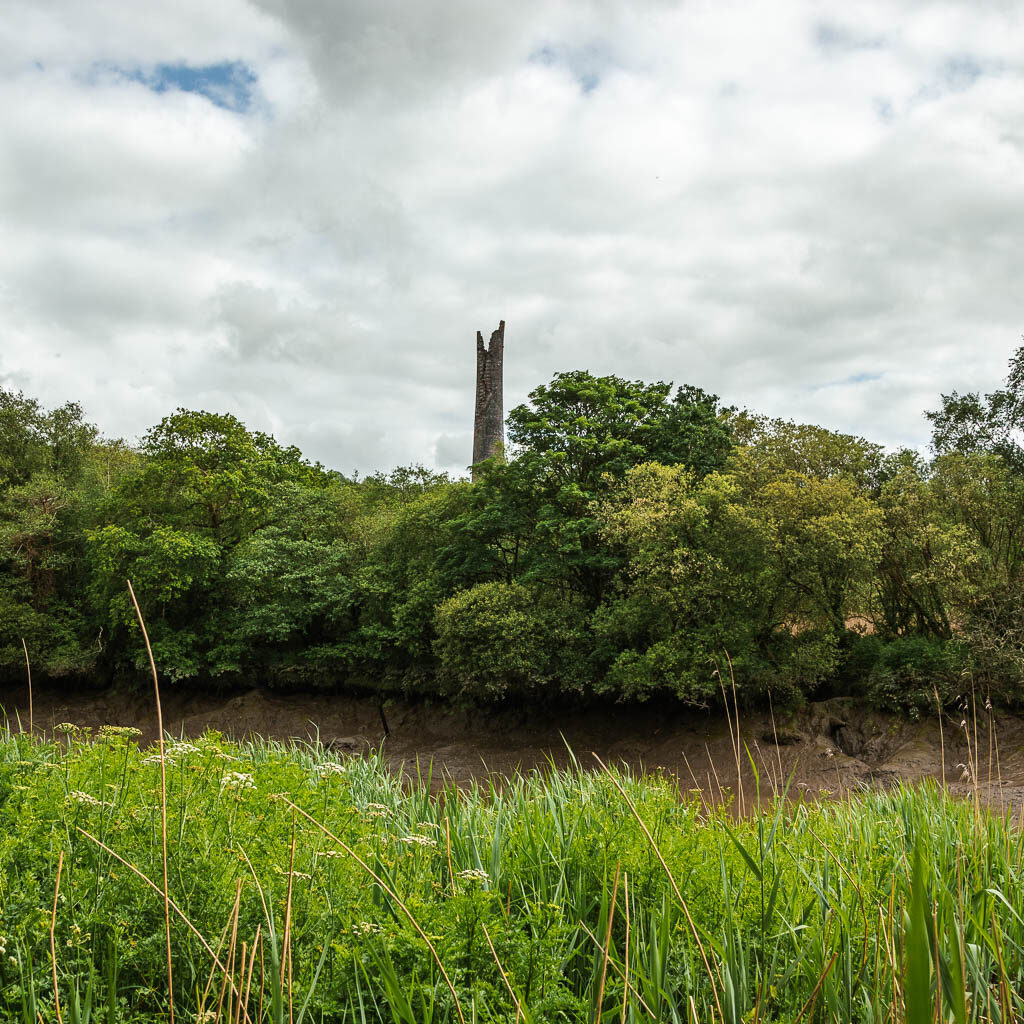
812	208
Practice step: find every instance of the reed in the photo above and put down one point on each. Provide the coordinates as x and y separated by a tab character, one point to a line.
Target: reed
308	889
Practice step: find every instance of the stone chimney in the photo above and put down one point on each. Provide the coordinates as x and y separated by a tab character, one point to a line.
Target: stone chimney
489	421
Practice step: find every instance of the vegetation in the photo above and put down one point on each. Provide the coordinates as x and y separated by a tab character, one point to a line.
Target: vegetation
634	539
306	889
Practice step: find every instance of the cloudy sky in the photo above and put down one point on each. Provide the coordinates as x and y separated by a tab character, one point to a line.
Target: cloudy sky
301	211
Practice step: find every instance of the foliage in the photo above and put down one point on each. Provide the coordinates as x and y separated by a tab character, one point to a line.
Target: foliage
335	891
908	672
969	423
499	640
638	538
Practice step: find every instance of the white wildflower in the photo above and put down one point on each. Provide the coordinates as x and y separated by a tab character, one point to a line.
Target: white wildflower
365	928
474	875
238	781
155	759
110	731
416	840
78	797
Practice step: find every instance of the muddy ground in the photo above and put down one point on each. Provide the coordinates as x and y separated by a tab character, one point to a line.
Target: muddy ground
827	748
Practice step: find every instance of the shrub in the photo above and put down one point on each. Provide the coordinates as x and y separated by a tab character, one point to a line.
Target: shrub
910	669
499	640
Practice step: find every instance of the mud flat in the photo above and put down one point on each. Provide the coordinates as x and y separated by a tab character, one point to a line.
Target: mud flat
827	748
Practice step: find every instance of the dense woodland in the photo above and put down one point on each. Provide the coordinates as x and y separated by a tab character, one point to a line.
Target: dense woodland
637	542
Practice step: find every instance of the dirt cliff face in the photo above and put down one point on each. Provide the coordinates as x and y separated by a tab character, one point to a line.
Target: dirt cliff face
832	747
489	420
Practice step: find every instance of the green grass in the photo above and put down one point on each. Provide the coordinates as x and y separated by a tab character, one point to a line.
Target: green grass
318	890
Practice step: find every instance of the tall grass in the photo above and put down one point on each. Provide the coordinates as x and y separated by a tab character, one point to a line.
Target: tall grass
305	889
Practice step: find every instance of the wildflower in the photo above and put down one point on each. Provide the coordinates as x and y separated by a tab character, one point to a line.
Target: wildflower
155	759
112	731
365	928
417	840
184	748
474	875
78	797
326	768
238	781
332	853
67	728
295	874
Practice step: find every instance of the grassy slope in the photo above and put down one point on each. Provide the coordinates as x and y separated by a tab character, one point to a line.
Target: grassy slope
545	899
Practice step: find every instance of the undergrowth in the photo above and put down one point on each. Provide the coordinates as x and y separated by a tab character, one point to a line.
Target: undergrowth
307	889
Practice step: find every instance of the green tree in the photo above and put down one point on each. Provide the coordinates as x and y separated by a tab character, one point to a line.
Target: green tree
980	503
824	537
43	509
992	423
293	601
920	554
34	440
580	427
775	446
204	484
689	593
502	640
575	438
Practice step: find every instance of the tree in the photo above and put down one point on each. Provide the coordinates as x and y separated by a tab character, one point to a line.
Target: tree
501	640
921	549
43	511
688	593
775	446
823	537
206	471
979	501
576	437
994	423
581	427
204	484
33	440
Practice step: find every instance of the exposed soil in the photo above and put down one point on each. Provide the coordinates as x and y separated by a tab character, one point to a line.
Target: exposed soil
829	747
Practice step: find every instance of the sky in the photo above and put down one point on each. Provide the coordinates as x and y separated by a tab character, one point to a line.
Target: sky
302	211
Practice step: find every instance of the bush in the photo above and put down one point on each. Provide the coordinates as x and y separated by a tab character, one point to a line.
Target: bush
499	640
909	670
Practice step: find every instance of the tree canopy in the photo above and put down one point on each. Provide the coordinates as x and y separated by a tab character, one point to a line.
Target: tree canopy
639	538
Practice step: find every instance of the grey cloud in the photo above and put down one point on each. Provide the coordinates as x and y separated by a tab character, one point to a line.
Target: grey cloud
661	191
